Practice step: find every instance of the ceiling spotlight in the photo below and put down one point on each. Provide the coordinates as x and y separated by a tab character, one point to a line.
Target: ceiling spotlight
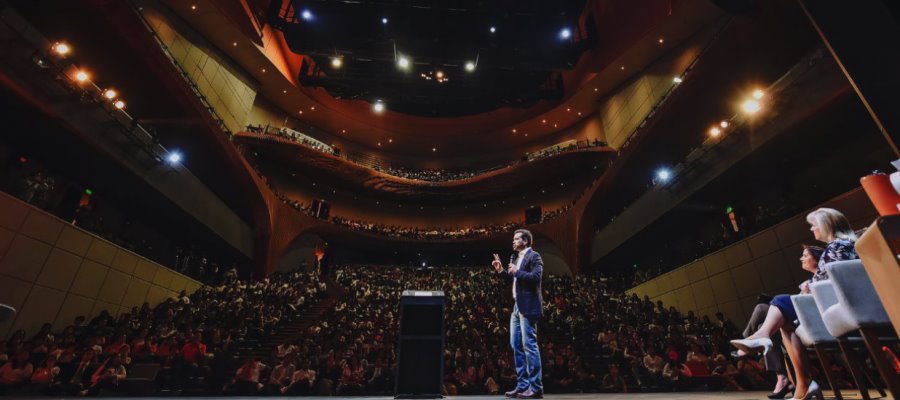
306	14
384	20
758	94
433	149
568	109
514	130
595	89
61	48
343	131
677	79
715	131
119	104
565	33
543	121
379	143
579	113
300	112
174	157
403	62
193	7
660	40
337	62
264	70
312	108
110	94
751	106
470	66
723	124
493	29
378	107
81	76
390	140
663	174
234	44
439	74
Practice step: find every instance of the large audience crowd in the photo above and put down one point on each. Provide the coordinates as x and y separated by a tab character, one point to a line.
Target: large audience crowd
191	338
593	339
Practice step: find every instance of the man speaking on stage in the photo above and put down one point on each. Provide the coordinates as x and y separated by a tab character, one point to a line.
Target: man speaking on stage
525	267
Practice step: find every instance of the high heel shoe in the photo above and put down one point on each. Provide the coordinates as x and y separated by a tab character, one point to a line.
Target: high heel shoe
781	393
753	345
813	392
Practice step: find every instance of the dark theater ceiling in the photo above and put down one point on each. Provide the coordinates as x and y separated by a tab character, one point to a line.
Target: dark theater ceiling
437	58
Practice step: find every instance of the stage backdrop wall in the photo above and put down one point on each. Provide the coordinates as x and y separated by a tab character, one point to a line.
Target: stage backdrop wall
52	271
730	279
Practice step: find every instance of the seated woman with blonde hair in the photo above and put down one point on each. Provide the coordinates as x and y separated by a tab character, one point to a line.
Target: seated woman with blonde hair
829	226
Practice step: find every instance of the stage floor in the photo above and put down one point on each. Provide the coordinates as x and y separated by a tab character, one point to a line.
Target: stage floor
847	394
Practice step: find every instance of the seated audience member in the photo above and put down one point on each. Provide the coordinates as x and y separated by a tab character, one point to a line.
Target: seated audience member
15	373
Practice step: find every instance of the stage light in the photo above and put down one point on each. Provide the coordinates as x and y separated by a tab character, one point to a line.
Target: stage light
337	62
493	29
119	104
306	14
378	107
751	106
110	94
439	74
677	79
403	62
723	124
61	48
715	131
174	157
663	174
565	33
758	94
384	20
470	66
81	76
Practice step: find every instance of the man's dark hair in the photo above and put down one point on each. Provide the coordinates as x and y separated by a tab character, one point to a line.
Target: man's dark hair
526	235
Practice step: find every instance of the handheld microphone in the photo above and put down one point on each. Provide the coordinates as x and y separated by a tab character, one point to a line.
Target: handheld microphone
512	258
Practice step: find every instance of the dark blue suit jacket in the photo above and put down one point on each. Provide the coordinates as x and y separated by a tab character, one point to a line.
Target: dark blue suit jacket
528	285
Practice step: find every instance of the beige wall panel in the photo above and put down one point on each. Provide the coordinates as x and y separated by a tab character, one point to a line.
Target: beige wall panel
723	287
703	294
156	294
178	283
113	289
746	280
669	300
101	251
136	293
163	277
709	312
42	227
738	254
14	293
59	270
664	283
763	243
685	299
124	261
41	307
715	263
73	306
89	279
74	241
679	278
6	238
14	212
192	286
24	258
145	269
695	271
734	311
773	271
793	231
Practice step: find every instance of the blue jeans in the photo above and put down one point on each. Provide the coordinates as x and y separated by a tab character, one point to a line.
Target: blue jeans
523	339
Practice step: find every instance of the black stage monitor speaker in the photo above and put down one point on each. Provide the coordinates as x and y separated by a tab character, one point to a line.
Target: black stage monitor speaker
420	351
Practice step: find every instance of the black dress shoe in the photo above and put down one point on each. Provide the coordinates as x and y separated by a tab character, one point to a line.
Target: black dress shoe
513	393
529	394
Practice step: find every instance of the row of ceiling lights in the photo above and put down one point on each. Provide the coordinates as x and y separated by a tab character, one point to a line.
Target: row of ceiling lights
82	77
750	106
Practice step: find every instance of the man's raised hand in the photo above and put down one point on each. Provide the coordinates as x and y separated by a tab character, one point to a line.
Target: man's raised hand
497	264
